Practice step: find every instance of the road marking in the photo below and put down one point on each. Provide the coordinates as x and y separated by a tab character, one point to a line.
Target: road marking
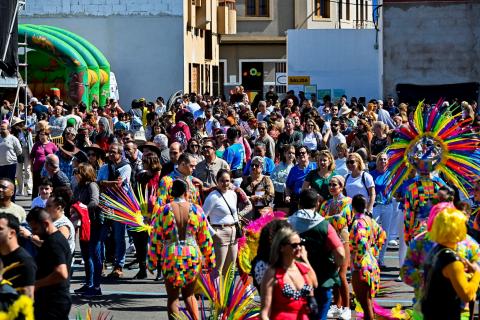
133	293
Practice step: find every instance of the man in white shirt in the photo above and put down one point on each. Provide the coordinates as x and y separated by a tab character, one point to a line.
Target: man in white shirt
210	123
262	111
57	122
336	137
10	150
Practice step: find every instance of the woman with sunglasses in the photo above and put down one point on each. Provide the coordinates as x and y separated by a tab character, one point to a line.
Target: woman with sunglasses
258	187
312	138
337	211
88	194
318	179
359	181
366	240
288	283
42	147
95	156
280	174
194	149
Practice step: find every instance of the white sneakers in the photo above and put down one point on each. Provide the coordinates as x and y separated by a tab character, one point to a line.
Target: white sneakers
339	313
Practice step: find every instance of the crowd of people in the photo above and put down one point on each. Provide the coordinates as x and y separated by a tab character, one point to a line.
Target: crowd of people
213	165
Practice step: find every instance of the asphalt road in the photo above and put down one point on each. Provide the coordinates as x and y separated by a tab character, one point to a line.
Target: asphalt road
128	299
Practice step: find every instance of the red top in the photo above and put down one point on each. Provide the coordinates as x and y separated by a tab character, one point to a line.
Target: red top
288	303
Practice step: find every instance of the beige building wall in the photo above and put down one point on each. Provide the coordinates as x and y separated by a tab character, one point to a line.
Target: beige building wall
201	46
263	38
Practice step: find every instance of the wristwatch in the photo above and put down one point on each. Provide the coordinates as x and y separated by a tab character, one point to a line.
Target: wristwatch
30	236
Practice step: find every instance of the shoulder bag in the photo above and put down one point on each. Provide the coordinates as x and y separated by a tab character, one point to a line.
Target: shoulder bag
238	226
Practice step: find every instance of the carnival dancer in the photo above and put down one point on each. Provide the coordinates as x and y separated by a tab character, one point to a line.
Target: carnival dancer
181	240
366	240
449	279
412	271
185	166
436	140
337	211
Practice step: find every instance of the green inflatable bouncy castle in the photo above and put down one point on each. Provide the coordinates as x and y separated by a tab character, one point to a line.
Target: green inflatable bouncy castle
58	58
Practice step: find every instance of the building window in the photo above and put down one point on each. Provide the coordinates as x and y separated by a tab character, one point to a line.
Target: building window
208	45
257	8
347	11
340	9
322	8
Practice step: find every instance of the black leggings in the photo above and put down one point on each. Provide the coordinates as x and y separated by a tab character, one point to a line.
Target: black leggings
140	239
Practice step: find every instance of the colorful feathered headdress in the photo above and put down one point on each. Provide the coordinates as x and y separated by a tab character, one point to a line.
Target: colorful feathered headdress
125	207
436	139
230	297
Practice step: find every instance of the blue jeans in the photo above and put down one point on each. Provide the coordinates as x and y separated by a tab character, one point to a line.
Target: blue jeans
98	233
85	251
324	299
120	247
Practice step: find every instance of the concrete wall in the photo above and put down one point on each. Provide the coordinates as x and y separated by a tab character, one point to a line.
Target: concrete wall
143	43
351	64
103	7
430	43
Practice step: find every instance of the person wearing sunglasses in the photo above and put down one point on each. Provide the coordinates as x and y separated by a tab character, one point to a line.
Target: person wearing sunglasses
337	211
359	181
288	283
318	179
257	186
208	169
335	137
194	148
324	247
297	176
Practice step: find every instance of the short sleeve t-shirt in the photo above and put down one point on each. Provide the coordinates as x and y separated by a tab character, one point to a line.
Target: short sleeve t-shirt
320	184
24	274
235	156
53	252
355	186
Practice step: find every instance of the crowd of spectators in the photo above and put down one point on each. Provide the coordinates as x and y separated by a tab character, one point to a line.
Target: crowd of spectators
238	158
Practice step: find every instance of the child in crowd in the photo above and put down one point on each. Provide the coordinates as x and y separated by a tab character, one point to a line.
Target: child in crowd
341	161
44	190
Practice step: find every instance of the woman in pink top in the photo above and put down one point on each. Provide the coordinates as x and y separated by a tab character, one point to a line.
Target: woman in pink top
42	147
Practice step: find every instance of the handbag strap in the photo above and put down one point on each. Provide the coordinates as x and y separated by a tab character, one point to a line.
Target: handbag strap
231	211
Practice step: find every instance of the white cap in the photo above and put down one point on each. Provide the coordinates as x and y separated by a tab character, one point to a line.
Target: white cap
33	100
161	140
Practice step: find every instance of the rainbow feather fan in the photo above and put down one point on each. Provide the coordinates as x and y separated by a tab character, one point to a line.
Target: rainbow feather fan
125	207
248	244
459	160
229	297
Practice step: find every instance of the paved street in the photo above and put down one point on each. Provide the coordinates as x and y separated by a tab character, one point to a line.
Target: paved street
128	299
